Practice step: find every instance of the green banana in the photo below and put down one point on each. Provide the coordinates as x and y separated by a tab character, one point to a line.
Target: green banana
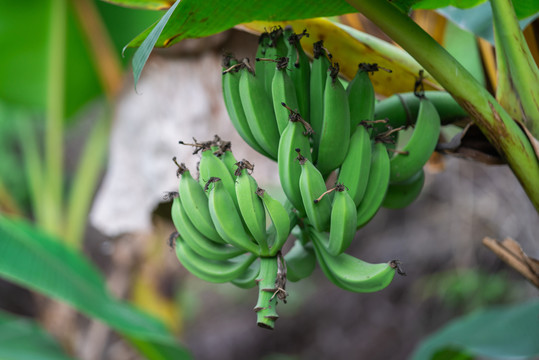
195	204
343	221
226	218
216	271
335	135
227	157
211	166
376	185
319	72
293	137
258	108
251	206
280	220
312	188
247	280
361	96
264	41
422	143
280	40
300	261
275	49
198	242
401	109
234	107
270	54
355	169
402	194
268	289
301	73
283	91
351	273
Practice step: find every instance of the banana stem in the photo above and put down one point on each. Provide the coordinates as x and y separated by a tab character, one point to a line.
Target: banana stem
499	128
85	180
54	129
267	301
522	74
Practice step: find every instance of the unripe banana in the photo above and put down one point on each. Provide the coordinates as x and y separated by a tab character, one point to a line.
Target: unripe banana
247	280
402	194
264	41
258	108
319	72
283	91
195	203
293	137
421	144
402	109
300	261
312	187
198	242
280	40
251	206
361	97
355	169
376	185
232	98
227	157
343	221
276	48
301	73
226	218
335	136
270	54
280	221
351	273
211	166
215	271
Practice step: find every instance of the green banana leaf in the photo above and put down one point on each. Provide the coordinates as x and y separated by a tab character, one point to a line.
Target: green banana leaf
194	19
478	20
33	259
23	339
24	40
504	332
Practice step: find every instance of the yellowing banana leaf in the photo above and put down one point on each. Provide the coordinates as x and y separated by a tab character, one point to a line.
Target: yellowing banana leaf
350	47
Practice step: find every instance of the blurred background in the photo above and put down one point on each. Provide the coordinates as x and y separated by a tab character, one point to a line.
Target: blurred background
86	157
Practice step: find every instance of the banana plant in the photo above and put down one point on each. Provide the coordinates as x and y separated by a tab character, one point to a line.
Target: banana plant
509	121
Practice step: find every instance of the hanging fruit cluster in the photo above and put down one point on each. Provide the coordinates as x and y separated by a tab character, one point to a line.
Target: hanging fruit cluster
302	116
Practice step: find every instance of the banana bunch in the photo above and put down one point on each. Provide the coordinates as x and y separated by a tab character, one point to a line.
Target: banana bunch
303	116
221	221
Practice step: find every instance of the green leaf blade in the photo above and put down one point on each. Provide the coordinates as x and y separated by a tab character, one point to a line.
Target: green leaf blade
23	339
142	53
33	259
502	332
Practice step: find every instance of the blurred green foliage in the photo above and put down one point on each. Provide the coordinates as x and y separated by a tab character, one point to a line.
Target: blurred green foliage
469	289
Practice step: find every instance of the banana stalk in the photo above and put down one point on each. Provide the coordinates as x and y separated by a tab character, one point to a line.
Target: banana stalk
267	293
521	73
